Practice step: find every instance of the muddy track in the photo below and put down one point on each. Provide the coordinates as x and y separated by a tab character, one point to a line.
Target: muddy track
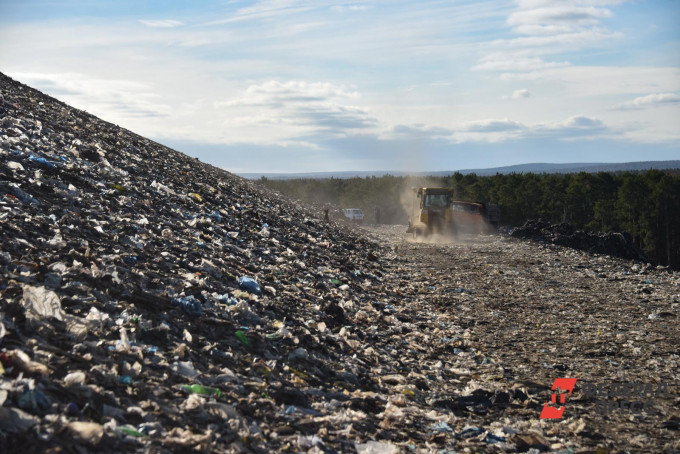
517	315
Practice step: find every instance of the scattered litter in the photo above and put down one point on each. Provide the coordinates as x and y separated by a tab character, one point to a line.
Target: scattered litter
149	302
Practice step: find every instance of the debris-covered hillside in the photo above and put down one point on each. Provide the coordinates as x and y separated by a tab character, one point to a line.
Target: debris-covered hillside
153	302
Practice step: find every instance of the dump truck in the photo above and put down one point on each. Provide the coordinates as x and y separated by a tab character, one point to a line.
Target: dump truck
475	217
433	210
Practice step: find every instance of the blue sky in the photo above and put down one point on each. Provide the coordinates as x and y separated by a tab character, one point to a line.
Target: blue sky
296	86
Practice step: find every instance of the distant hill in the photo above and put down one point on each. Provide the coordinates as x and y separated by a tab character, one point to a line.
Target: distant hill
575	167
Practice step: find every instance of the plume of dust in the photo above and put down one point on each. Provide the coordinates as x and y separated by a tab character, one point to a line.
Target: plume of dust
411	205
413	159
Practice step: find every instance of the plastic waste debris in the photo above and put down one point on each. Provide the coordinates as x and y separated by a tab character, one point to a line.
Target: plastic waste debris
376	447
40	302
75	378
86	432
52	280
72	409
33	400
14	420
196	197
470	431
441	426
15	190
123	345
131	431
241	336
15	166
309	441
22	362
190	305
226	299
130	260
491	438
216	215
203	390
125	380
43	161
249	284
185	368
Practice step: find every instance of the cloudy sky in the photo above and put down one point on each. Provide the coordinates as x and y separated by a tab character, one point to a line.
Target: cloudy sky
295	85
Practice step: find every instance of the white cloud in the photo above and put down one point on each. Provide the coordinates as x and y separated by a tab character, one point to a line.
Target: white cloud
269	10
577	127
273	93
110	98
548	28
500	61
492	125
551	3
593	81
351	8
419	130
539	29
161	23
578	123
656	99
571	16
499	130
560	42
298	108
520	94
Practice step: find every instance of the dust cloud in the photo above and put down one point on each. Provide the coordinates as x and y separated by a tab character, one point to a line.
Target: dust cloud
411	205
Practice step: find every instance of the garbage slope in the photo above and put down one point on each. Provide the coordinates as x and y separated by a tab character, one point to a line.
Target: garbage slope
120	264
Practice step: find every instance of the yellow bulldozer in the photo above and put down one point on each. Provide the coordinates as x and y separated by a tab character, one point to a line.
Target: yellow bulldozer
433	210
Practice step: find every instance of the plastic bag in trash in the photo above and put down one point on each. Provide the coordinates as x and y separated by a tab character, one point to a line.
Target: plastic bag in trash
249	284
190	305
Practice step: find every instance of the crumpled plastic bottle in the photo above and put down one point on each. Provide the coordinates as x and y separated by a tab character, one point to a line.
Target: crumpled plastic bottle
204	390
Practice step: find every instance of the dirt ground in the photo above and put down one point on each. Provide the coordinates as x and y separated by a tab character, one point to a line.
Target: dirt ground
512	316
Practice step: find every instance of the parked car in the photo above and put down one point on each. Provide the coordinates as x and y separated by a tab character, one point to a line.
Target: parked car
354	214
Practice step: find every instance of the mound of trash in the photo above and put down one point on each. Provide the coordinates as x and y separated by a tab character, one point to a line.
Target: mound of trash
150	299
564	234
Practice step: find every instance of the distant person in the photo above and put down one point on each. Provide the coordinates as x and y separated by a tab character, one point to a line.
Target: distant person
376	212
326	209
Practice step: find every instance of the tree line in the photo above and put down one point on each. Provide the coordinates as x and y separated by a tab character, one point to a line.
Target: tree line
644	204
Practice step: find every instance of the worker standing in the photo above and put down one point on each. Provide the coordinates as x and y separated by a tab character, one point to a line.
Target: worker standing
326	209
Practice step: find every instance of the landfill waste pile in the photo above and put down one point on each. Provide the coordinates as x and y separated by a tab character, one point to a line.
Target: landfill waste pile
612	243
153	303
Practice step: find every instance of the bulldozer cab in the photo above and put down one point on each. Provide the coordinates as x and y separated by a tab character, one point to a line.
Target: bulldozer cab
435	200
